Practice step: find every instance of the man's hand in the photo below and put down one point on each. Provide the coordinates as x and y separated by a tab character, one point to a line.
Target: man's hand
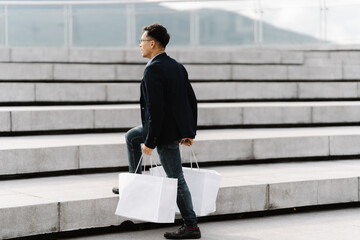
146	150
187	141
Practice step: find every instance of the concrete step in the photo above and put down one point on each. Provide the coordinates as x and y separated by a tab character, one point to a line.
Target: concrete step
37	154
278	113
320	225
212	91
205	91
92	117
58	204
202	72
249	55
47	64
198	55
31	92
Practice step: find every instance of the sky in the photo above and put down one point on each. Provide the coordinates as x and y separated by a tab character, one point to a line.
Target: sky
304	16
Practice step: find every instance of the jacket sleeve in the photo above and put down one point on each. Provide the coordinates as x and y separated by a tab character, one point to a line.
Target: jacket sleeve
193	105
192	102
155	104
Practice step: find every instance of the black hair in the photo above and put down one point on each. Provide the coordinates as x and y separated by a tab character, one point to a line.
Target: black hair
158	32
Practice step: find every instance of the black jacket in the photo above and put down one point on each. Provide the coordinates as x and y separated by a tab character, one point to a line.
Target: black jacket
168	102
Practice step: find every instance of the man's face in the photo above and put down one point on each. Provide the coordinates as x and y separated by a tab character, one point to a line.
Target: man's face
146	44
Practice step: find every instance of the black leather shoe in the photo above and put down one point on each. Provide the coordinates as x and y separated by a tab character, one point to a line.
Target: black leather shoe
115	190
184	233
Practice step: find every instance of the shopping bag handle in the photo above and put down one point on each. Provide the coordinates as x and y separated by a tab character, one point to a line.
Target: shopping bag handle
152	163
140	161
156	166
142	157
192	154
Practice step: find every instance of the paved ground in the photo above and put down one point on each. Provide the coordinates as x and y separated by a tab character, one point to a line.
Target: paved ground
341	224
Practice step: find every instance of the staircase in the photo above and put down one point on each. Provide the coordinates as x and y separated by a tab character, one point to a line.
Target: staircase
280	125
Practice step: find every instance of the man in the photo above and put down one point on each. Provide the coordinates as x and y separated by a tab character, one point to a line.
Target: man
169	117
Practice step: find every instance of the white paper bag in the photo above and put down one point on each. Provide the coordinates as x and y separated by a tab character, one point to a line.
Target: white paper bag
203	185
147	198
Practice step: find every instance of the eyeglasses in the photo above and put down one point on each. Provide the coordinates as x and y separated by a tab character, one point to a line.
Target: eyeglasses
143	40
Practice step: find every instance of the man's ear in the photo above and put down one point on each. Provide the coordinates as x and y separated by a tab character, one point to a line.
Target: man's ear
153	44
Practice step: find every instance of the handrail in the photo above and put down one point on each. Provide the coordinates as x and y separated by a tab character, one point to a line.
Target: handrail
105	2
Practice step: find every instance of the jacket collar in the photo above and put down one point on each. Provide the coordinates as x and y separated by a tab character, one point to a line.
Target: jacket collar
163	54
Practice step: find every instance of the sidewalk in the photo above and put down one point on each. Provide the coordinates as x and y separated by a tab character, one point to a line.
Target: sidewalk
343	224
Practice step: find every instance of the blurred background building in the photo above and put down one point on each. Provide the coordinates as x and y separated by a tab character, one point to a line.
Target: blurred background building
118	24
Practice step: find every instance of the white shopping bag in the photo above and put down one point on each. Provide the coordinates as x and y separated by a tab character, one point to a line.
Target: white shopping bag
147	198
203	185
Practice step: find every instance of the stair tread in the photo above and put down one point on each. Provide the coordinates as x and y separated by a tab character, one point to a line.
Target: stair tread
25	192
43	141
201	105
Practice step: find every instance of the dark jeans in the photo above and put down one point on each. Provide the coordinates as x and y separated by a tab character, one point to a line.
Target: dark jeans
171	161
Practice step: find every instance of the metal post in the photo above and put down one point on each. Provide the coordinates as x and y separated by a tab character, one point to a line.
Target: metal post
6	30
325	21
197	28
70	26
2	35
256	26
320	21
260	23
194	28
66	28
130	25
